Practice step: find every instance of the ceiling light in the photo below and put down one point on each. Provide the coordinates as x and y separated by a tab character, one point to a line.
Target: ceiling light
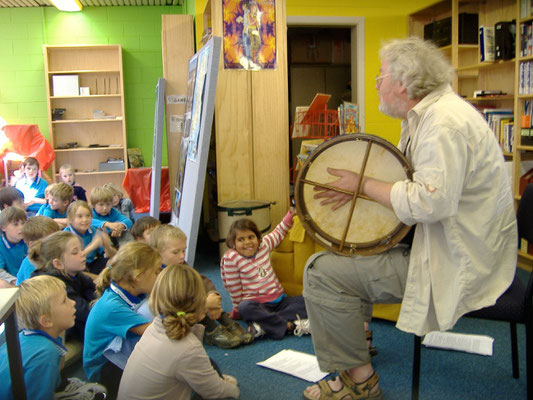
67	5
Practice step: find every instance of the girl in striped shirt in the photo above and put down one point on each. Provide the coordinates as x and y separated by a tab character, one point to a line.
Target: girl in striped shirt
255	290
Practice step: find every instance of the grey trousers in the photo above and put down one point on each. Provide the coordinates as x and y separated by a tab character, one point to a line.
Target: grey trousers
339	292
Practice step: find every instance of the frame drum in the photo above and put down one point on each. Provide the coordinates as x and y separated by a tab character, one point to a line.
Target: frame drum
361	226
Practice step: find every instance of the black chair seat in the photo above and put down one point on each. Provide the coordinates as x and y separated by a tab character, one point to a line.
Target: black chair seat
509	307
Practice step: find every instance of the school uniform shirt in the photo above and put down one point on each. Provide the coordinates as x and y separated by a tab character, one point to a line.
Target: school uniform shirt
254	278
79	193
11	255
46	211
87	237
41	356
114	216
464	254
32	190
25	271
160	368
112	315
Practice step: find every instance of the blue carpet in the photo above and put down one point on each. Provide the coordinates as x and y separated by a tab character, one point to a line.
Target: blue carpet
444	374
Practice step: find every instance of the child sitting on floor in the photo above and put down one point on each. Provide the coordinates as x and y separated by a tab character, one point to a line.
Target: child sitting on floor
12	247
44	312
171	243
66	173
255	290
59	198
108	218
35	228
169	361
120	203
32	186
61	255
143	227
96	243
113	326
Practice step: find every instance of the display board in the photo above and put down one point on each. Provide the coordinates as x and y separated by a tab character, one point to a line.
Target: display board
194	148
157	148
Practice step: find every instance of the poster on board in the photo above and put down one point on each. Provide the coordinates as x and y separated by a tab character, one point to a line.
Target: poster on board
194	147
249	34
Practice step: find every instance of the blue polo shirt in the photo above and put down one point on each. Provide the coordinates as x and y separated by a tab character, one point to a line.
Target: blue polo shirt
41	356
87	238
32	190
113	216
47	211
25	271
12	254
110	316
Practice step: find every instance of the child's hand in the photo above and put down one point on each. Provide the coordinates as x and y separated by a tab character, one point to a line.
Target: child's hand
293	212
213	300
214	313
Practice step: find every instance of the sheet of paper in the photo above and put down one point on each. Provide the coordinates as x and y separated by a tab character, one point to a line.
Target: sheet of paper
478	344
295	363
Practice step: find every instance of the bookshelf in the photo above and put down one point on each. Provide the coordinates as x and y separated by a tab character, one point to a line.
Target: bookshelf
92	128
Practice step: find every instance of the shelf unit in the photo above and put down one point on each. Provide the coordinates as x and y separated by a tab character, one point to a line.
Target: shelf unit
473	75
99	68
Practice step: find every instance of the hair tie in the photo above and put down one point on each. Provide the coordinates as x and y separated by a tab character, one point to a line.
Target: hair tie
181	314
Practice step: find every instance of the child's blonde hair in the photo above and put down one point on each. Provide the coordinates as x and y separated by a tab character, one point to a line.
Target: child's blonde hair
179	297
48	189
163	233
100	194
73	208
142	224
65	168
43	252
38	227
35	298
131	260
11	214
115	189
63	191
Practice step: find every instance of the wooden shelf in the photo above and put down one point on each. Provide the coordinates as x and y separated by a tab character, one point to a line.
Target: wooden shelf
490	98
487	64
99	68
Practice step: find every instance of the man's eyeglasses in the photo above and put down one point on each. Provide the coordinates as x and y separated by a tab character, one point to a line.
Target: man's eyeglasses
379	78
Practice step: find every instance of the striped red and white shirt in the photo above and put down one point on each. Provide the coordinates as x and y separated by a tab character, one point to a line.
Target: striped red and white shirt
254	278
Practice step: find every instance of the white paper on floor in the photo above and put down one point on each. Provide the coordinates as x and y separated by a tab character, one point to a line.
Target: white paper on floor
477	344
295	363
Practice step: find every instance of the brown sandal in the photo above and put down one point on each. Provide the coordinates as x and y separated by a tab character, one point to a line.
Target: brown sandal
355	391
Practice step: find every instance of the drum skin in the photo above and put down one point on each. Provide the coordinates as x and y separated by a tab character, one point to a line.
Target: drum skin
370	228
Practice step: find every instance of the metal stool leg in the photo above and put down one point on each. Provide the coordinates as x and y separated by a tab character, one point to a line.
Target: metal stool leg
416	368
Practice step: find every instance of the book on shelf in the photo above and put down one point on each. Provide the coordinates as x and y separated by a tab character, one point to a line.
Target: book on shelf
526	8
486	43
350	117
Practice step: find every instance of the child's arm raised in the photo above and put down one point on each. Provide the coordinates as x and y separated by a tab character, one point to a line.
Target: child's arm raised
274	238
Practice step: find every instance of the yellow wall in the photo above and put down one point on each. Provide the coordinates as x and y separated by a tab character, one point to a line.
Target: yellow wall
385	19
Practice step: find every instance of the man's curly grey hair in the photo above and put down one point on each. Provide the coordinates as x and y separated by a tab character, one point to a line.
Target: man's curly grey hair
418	64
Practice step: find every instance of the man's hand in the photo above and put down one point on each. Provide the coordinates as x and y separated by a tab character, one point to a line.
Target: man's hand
347	181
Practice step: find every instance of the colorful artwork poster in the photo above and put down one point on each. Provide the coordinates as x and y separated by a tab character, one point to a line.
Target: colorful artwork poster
249	34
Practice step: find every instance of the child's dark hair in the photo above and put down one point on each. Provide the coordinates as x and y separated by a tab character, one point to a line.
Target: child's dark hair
11	214
31	161
8	195
179	297
242	224
143	224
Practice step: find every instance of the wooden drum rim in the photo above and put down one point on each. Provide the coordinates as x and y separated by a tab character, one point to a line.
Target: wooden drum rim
324	239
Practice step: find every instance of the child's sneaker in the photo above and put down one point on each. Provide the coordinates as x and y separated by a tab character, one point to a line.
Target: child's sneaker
237	330
255	330
221	337
301	326
80	390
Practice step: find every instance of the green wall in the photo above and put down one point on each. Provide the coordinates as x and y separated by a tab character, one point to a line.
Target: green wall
23	31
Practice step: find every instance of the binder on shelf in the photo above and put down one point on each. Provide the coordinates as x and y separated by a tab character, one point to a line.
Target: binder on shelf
504	40
486	43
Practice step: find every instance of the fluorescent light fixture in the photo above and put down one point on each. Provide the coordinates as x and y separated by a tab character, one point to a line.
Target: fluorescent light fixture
67	5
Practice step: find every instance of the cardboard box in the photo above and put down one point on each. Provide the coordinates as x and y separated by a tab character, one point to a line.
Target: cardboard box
111	166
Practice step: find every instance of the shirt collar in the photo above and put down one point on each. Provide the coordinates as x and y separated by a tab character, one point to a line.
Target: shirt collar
131	300
57	342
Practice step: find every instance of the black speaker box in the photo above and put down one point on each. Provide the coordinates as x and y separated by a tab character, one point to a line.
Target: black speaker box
504	40
440	32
